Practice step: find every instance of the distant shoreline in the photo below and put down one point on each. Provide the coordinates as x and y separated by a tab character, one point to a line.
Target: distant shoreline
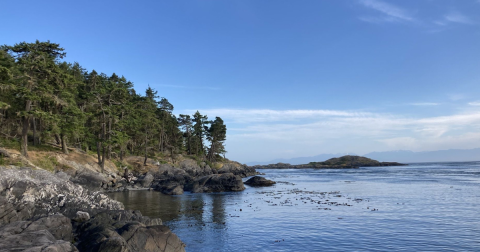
344	162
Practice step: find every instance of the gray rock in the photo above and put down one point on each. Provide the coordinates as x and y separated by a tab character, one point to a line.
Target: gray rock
90	180
218	183
126	231
62	175
146	180
238	169
82	216
259	181
27	193
193	169
52	233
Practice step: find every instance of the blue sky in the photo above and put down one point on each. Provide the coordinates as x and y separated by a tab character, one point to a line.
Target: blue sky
290	78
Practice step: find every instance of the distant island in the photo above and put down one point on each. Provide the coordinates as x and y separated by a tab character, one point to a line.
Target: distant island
344	162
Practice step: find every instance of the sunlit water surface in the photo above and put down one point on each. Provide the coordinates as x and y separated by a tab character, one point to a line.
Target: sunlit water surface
421	207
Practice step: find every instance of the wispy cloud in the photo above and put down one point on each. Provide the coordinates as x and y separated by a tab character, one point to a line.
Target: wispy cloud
269	115
475	103
187	87
457	17
390	12
318	131
425	104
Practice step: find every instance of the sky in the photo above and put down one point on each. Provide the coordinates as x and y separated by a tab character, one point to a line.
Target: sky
289	78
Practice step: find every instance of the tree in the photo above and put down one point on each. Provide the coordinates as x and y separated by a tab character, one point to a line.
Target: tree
216	134
199	132
36	65
185	122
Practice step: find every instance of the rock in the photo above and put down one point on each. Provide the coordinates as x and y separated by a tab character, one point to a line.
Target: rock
82	216
238	169
27	193
30	205
52	233
126	231
170	189
62	175
259	181
193	169
146	180
90	180
218	183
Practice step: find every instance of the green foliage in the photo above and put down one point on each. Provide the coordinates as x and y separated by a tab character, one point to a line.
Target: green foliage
48	163
50	100
9	143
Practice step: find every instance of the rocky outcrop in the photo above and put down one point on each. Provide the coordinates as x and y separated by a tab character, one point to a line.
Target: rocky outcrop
218	183
27	193
191	176
259	181
196	170
238	169
37	210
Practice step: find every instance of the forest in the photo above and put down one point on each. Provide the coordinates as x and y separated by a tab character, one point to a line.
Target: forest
45	100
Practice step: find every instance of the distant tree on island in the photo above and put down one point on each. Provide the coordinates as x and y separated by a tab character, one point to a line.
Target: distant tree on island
44	100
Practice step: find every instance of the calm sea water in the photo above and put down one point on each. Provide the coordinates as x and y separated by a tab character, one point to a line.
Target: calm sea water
421	207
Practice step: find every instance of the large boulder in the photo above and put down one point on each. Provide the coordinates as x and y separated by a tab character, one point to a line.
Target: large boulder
259	181
237	169
91	180
146	180
218	183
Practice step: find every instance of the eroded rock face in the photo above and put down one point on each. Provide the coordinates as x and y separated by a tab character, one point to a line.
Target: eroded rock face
226	182
40	211
52	233
126	231
259	181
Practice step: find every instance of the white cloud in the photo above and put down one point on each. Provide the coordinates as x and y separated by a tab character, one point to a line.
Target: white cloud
457	17
268	115
391	13
475	103
267	133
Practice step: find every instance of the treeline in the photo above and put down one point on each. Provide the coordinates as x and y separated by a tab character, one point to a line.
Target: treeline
43	98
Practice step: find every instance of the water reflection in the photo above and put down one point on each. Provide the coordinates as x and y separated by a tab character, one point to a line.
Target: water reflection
199	208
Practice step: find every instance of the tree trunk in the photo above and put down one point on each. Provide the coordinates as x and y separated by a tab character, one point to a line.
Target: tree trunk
26	125
34	131
146	148
57	139
64	144
99	157
109	135
103	159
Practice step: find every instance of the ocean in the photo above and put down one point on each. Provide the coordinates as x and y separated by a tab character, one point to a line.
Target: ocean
420	207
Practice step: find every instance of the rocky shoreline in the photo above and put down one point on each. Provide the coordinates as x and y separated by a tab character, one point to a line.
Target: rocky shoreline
42	211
